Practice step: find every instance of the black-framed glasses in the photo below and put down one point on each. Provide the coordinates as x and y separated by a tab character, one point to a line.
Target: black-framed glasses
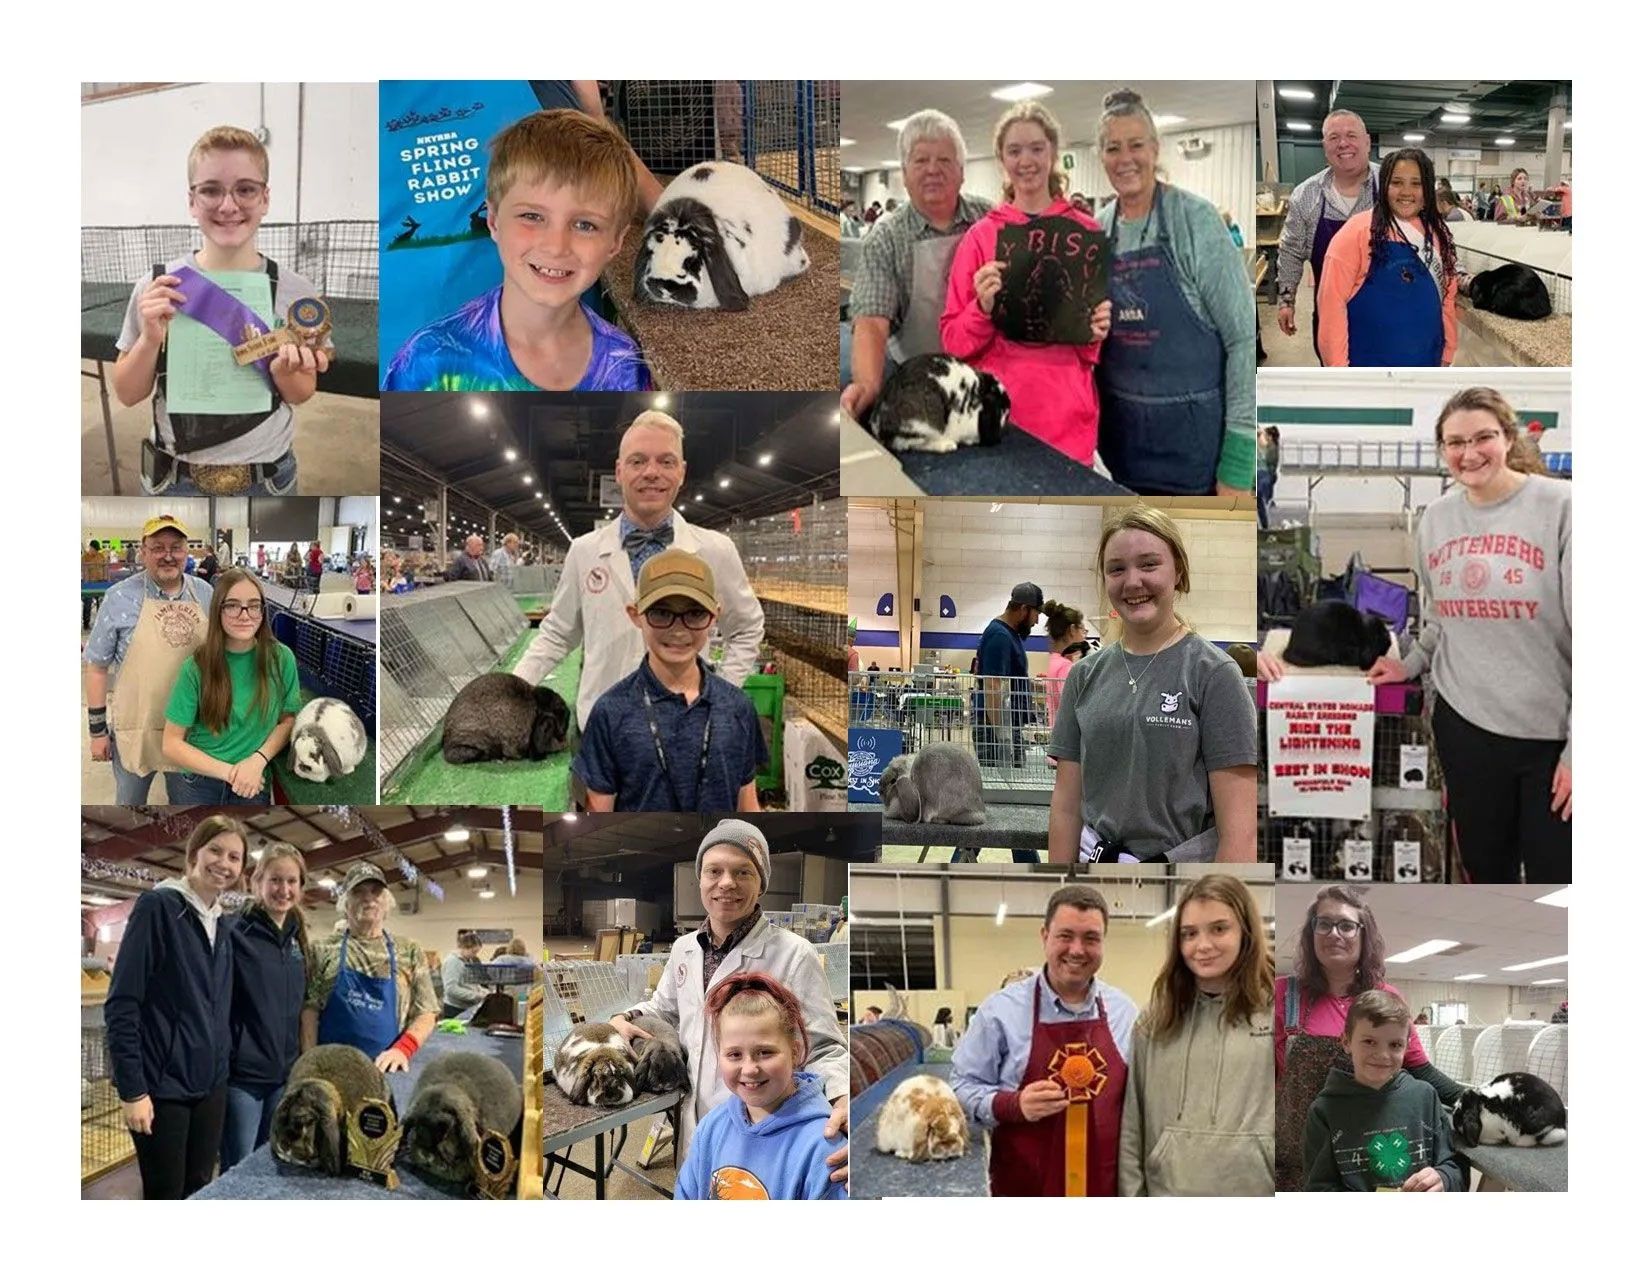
698	619
242	609
1336	925
246	193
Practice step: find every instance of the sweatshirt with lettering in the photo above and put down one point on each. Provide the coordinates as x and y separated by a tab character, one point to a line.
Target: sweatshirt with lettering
1496	598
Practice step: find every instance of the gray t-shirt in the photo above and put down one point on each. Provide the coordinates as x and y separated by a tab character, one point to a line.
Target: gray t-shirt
269	441
1146	753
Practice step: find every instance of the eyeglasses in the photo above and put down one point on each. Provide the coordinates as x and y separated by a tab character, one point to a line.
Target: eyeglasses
1455	446
697	619
246	193
739	876
1328	925
242	609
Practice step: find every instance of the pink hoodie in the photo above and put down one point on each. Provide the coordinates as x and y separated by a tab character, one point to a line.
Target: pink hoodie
1050	387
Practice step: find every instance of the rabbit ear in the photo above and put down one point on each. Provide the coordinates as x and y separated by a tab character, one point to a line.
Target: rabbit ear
581	1085
730	293
329	754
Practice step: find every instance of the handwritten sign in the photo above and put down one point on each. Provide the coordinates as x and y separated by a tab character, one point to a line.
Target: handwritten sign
1056	272
1320	739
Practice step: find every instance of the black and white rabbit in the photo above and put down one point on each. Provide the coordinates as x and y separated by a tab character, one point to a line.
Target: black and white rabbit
1327	633
594	1066
1516	1109
328	740
937	403
458	1097
661	1063
940	784
324	1089
498	717
717	237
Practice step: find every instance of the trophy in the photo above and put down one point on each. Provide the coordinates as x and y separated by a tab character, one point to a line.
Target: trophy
308	320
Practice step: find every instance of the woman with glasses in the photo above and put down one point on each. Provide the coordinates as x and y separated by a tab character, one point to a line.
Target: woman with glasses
733	866
1338	955
672	735
233	704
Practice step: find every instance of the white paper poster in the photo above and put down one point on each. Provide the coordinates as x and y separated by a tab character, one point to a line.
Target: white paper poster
1358	859
1406	861
1320	746
1297	858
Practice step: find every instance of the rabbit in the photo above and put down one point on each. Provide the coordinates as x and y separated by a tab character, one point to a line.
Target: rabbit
717	237
940	784
328	740
458	1097
1336	633
936	403
324	1089
1513	291
662	1063
922	1120
412	228
594	1066
499	717
1516	1109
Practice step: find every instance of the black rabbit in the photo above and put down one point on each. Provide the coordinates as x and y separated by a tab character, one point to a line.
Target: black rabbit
498	717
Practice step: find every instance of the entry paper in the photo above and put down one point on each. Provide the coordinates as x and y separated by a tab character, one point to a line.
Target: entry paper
201	372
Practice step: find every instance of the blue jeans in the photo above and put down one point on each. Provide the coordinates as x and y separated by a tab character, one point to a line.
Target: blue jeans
130	789
284	483
1265	482
186	789
246	1120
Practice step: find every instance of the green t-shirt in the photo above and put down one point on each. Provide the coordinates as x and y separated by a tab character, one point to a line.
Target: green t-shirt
244	732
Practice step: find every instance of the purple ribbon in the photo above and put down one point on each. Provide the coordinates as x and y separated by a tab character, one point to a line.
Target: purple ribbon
205	302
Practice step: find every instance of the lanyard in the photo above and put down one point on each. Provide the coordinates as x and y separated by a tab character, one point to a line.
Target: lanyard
659	747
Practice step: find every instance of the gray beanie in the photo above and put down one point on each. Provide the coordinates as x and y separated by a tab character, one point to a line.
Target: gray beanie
744	837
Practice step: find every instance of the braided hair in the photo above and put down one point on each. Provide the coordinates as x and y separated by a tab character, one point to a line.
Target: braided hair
1432	220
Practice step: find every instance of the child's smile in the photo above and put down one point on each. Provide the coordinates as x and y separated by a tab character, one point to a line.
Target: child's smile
756	1061
553	241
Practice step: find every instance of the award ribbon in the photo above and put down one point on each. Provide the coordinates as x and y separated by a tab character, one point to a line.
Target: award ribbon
208	304
1081	1070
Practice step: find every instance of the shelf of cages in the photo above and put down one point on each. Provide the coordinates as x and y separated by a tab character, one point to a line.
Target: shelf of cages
789	131
104	1142
636	970
1005	720
432	644
581	992
799	557
1474	260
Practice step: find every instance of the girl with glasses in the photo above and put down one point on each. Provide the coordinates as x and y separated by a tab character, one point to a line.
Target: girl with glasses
233	704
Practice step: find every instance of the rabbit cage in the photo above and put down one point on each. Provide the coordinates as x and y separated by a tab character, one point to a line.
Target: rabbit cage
789	131
104	1142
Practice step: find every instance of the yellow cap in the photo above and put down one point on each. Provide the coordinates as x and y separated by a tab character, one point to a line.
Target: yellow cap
676	573
164	522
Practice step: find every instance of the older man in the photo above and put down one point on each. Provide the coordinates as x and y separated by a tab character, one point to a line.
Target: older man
506	558
1044	1062
599	577
1321	205
899	289
472	563
148	625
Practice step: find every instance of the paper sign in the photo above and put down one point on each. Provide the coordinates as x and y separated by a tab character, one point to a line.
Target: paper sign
1297	859
1320	740
1406	861
1412	766
1358	860
869	752
201	372
1056	273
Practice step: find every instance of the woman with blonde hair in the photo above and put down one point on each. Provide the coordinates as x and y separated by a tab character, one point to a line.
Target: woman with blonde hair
167	1014
1198	1111
1155	737
1051	386
271	947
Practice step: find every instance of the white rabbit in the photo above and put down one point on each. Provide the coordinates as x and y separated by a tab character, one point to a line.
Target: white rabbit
922	1120
717	237
328	740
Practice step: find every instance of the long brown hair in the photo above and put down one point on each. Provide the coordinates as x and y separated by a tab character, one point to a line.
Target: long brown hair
1249	984
1038	114
212	826
1371	971
216	694
285	850
1523	453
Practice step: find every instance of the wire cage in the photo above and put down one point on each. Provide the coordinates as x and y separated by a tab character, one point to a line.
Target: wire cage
580	992
1549	1058
104	1141
834	956
1473	261
789	131
1453	1051
637	969
1503	1048
433	644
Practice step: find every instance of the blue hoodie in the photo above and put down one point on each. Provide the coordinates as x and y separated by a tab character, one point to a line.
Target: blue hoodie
782	1158
268	998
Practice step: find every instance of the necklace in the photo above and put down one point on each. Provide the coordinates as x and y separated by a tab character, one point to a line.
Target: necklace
1134	688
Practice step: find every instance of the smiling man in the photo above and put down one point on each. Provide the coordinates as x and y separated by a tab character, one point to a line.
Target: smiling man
598	580
1043	1063
148	625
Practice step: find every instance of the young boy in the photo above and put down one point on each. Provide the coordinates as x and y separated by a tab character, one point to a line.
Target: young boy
1379	1129
199	447
561	192
672	735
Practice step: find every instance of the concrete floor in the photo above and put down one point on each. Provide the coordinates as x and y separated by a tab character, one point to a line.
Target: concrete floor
1296	351
337	443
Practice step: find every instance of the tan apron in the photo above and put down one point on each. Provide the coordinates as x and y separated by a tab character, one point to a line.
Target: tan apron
919	330
167	632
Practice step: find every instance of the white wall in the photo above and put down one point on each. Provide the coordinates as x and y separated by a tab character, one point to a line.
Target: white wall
1494	163
134	150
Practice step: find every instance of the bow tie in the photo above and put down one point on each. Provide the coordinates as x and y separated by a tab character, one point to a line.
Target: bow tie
640	537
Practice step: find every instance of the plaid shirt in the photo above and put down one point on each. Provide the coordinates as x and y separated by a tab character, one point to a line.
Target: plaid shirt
882	285
414	992
714	955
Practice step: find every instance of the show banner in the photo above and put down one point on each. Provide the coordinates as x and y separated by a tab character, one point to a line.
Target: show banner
1320	747
1056	273
869	752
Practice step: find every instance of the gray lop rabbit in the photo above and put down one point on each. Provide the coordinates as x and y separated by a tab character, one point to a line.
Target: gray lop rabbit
940	784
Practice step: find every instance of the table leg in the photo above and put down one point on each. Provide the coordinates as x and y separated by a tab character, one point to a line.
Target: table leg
108	427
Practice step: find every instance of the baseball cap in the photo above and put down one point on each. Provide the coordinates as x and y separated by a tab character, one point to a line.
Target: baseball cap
364	872
676	573
163	522
1027	594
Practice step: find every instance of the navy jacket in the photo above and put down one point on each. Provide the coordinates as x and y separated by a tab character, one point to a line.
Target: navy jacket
268	997
167	1012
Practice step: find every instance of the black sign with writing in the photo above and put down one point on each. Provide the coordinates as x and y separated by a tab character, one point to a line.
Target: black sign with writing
1056	272
373	1122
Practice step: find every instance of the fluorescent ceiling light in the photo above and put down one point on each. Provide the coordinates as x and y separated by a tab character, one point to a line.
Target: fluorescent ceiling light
846	141
476	873
1548	982
327	883
1533	965
1505	141
1002	911
1165	121
570	817
661	401
1557	899
1467	978
1415	137
484	894
99	900
1160	918
1298	95
1453	117
724	483
509	453
1295	126
1422	950
766	458
1020	92
898	124
456	834
1566	123
849	168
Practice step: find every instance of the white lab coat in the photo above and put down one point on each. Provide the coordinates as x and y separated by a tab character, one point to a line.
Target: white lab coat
783	956
588	609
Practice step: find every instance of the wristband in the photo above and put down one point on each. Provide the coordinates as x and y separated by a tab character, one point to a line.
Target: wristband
97	721
405	1045
262	754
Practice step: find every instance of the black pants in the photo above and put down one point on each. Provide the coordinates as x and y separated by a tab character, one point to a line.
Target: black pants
177	1157
1500	793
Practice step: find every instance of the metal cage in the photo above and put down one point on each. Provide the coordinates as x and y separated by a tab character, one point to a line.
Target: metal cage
580	992
338	257
104	1140
1549	1058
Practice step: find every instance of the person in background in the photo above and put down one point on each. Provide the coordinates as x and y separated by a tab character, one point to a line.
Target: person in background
1003	700
506	558
1515	206
472	564
459	989
207	567
363	574
1068	642
94	569
1266	474
945	1035
314	564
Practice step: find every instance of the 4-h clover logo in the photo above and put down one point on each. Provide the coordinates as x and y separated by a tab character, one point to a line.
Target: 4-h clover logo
1389	1155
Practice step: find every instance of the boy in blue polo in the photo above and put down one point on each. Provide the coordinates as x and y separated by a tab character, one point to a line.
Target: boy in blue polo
672	735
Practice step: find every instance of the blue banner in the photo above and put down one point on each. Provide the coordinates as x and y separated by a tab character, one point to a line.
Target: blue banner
869	752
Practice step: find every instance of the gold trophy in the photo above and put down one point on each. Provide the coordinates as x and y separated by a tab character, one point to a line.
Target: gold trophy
308	320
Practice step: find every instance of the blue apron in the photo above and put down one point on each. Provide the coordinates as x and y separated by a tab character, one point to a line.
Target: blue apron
1162	377
361	1009
1327	226
1397	318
